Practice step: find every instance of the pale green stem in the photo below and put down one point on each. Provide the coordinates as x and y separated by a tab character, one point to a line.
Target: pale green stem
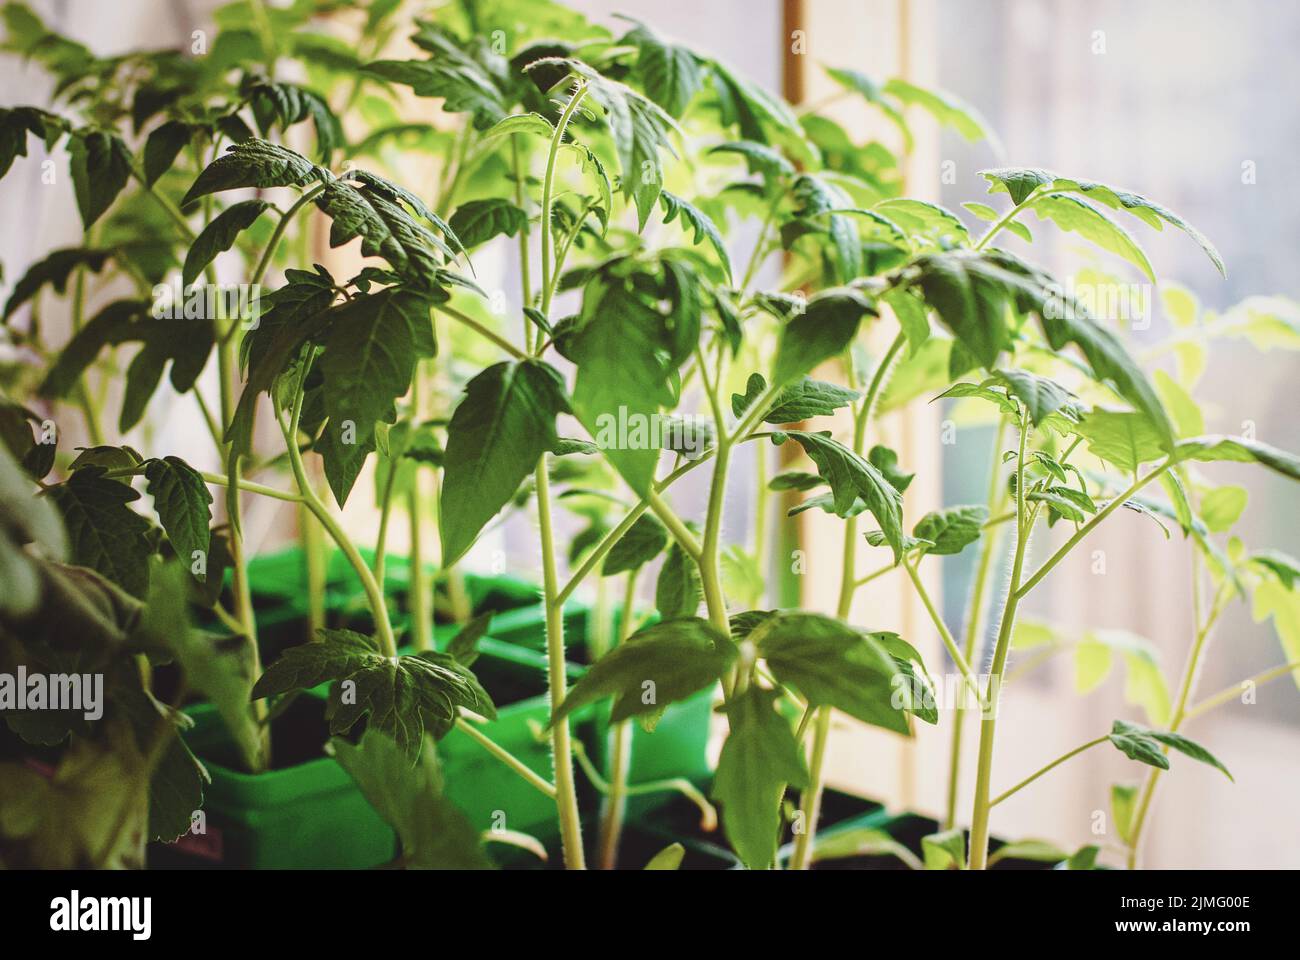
620	739
505	756
975	621
979	834
566	797
1231	693
1055	763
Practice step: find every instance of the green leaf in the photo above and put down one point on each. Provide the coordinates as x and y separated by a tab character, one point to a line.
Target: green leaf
101	165
836	665
825	328
1273	599
795	480
254	163
162	148
497	433
1222	506
103	532
1143	744
435	834
971	295
946	108
1216	447
759	759
184	506
642	542
18	122
806	398
1078	216
55	270
654	667
857	82
670	74
1283	566
945	850
463	85
886	461
759	116
639	128
403	697
478	221
1041	396
24	519
385	228
532	124
1020	182
669	858
1144	685
370	353
697	222
1122	437
1042	851
912	318
1123	805
951	529
219	236
851	477
862	842
678	589
920	218
464	646
1186	415
1085	858
760	159
286	104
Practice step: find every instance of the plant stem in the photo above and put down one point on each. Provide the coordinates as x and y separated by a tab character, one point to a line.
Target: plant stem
566	797
1055	763
810	801
548	186
481	330
375	596
525	281
385	512
620	739
505	756
1011	214
260	270
979	833
1231	693
945	634
1190	672
1088	527
975	622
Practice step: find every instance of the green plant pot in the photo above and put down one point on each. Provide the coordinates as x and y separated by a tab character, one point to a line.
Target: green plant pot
636	849
305	814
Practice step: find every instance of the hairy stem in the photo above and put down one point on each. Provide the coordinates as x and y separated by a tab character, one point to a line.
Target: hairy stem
975	622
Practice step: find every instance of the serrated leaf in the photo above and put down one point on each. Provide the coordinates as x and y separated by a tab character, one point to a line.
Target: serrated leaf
852	478
497	433
184	505
463	85
55	269
952	529
1020	182
696	222
642	542
1217	447
370	354
670	74
100	167
1078	216
219	236
946	108
823	330
103	532
759	759
833	664
434	833
403	697
1124	438
1041	396
478	221
254	163
654	667
1143	744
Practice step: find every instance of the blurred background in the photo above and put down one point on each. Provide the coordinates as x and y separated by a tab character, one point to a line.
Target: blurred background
1190	102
